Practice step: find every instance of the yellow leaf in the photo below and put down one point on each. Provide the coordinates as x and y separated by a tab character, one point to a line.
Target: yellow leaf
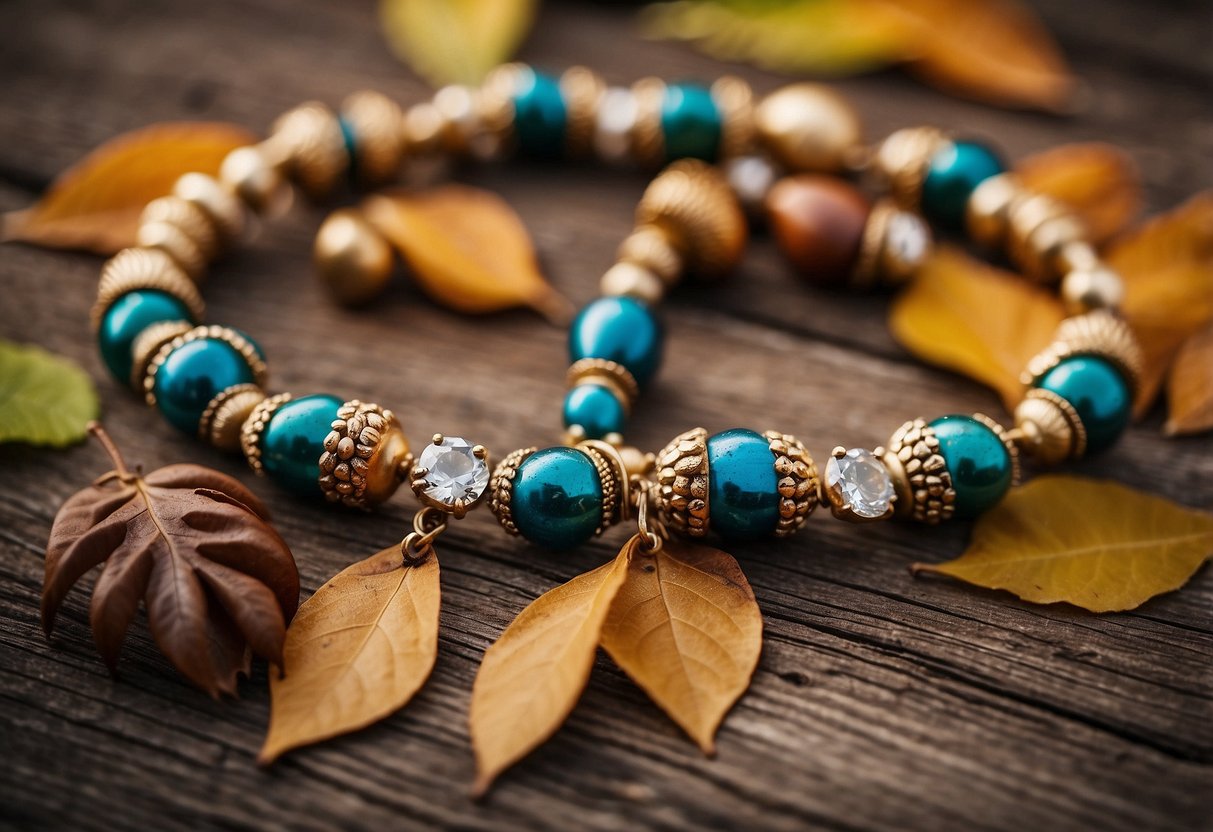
686	628
533	675
981	321
829	37
96	203
467	249
1100	182
1094	544
995	51
1190	388
455	41
356	652
1167	268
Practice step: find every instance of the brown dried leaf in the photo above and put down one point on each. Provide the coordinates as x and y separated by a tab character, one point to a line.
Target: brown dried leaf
194	544
981	321
1190	387
358	651
1095	544
1099	181
1167	267
996	51
686	627
95	204
533	675
467	249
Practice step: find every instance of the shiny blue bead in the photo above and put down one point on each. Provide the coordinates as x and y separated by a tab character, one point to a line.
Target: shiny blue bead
690	123
619	329
596	409
349	138
978	461
1097	391
129	315
540	114
743	496
953	173
195	373
293	441
557	498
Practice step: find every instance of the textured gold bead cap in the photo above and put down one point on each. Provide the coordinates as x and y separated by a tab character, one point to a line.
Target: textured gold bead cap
682	480
694	204
366	456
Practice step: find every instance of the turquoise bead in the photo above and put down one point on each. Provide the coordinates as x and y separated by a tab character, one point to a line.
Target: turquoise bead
349	138
619	329
195	373
129	315
293	441
743	496
978	461
596	409
953	173
557	499
1097	391
690	123
540	114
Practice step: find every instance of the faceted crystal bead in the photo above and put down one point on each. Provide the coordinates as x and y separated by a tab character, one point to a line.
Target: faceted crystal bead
859	479
453	472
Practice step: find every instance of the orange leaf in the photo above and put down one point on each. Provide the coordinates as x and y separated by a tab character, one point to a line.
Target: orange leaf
95	204
995	51
1167	268
1190	389
983	322
1100	182
533	675
686	628
357	651
1098	545
467	249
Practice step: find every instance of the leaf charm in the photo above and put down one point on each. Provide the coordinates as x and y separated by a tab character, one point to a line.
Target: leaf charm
1096	545
357	651
467	249
533	675
95	204
195	546
686	627
1190	388
1098	181
44	399
981	321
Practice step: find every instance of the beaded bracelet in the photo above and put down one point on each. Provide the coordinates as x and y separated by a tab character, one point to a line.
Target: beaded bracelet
209	380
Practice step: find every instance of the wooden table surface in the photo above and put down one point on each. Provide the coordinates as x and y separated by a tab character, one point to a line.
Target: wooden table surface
880	701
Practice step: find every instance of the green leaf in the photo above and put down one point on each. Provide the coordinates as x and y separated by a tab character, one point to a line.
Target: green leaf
44	399
455	41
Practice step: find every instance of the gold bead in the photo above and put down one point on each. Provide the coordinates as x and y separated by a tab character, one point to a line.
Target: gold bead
920	474
735	100
693	203
682	480
1038	227
144	268
606	373
224	208
808	127
495	100
190	217
1078	256
176	244
463	131
422	129
1083	290
630	280
147	345
254	426
501	487
1049	427
648	142
368	469
379	146
651	248
895	244
901	162
581	89
1043	250
223	418
798	482
352	258
249	175
986	213
309	144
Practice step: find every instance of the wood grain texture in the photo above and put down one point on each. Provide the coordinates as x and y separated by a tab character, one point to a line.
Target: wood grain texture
880	701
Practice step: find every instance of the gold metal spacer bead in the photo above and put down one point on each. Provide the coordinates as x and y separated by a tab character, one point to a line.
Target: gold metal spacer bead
421	130
352	258
629	280
613	476
375	120
735	100
219	333
799	484
148	343
223	419
501	487
307	142
894	246
808	128
901	161
609	374
224	209
682	479
581	89
250	174
693	203
648	141
143	268
920	474
1087	289
254	427
366	456
1100	333
1038	228
987	213
190	217
1050	429
652	247
178	245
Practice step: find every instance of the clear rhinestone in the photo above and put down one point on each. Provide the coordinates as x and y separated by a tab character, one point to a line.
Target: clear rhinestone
859	479
617	113
453	472
907	239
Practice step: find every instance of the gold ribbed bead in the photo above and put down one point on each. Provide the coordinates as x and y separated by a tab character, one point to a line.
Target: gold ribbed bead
144	268
147	345
177	244
224	209
648	141
694	204
379	146
901	162
223	418
735	100
651	247
190	217
309	144
581	89
1050	429
501	487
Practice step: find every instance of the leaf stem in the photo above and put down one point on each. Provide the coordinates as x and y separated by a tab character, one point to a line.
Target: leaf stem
98	432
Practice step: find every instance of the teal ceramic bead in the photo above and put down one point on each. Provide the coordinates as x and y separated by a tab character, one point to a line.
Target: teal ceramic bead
293	441
557	498
596	409
540	114
619	329
690	123
349	136
979	463
743	496
1097	391
195	373
953	173
126	318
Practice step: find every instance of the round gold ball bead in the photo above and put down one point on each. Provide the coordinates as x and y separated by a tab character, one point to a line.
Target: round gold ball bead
353	260
251	176
1049	429
988	208
630	280
808	127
